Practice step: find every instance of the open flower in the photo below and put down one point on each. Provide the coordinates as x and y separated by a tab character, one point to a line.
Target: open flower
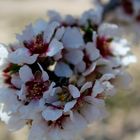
63	101
128	11
34	86
37	42
89	60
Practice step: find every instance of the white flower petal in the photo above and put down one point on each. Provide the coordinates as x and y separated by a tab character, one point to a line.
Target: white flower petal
114	61
56	134
54	47
90	69
72	38
92	52
128	60
15	123
80	67
122	80
95	113
26	74
108	30
57	103
109	88
48	98
50	93
81	81
51	114
69	105
94	15
45	75
21	93
74	91
16	81
54	16
42	105
119	47
70	20
72	128
98	103
77	125
4	116
39	26
86	86
27	34
95	101
94	37
97	89
51	27
3	53
74	56
107	77
71	114
30	111
9	100
22	56
52	89
63	70
59	33
38	131
58	56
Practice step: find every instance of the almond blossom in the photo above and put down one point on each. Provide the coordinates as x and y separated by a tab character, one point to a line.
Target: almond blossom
127	13
36	43
130	10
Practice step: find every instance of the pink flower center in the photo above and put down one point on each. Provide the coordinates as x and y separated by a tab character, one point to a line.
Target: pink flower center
103	46
37	45
35	89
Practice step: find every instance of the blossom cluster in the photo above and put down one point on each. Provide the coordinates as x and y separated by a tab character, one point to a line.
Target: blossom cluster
58	74
129	11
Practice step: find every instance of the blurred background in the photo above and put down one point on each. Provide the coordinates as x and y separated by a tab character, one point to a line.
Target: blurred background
123	121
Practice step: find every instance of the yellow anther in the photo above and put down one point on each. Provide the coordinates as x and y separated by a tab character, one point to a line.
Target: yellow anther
62	97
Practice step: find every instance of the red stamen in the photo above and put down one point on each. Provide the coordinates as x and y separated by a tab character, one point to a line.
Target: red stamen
103	46
35	89
37	46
